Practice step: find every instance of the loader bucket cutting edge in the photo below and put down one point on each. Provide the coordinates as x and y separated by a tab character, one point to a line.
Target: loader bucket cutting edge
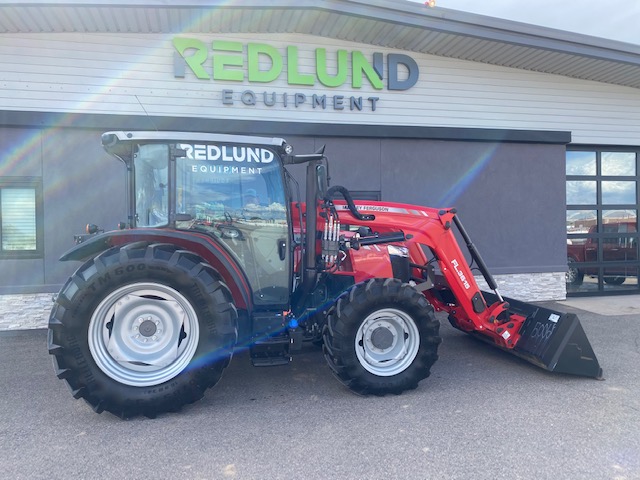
552	340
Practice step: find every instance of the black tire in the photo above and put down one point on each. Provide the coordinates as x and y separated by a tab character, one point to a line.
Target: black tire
573	276
396	334
142	329
614	280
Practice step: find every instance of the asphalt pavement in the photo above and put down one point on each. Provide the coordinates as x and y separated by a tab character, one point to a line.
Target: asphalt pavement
482	414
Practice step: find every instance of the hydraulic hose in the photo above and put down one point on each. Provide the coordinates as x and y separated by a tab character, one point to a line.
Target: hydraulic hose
347	196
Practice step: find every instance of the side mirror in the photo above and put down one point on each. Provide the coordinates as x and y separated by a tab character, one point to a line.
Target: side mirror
298	159
310	157
322	180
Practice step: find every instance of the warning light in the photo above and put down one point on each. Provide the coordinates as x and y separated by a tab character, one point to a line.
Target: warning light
91	228
430	3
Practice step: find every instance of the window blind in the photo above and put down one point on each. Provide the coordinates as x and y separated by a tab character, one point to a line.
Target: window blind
18	219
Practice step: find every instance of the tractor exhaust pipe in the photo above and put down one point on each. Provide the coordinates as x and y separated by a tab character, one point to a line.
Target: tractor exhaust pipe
310	272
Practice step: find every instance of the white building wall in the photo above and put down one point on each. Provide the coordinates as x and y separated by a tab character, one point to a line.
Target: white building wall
133	74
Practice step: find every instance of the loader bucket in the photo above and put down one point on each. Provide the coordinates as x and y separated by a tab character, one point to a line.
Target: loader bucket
552	340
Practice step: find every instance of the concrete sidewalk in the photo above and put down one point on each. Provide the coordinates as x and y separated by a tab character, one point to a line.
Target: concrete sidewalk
609	306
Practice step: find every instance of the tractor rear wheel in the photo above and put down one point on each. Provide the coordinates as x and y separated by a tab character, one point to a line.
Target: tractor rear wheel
142	329
381	337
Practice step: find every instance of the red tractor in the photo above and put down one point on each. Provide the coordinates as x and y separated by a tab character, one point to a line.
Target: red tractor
218	254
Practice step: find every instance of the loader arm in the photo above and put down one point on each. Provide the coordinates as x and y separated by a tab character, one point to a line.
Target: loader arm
549	339
456	292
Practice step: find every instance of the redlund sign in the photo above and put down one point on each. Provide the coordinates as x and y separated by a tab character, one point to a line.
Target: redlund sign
259	63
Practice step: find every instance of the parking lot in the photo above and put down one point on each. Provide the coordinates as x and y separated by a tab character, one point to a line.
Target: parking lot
482	414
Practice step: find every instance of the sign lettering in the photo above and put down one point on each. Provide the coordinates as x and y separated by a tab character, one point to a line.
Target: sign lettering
226	153
232	61
260	63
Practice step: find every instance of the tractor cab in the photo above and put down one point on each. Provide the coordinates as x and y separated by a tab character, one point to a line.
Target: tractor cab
228	188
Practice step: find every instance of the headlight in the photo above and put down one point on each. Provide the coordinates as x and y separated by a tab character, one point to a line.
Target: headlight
398	251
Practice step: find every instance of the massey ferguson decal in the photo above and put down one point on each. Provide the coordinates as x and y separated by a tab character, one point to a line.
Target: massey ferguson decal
384	209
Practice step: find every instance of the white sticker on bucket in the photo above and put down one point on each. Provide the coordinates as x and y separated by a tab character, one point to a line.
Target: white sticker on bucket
554	318
506	335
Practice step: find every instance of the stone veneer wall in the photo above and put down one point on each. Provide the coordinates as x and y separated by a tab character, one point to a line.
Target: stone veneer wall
26	311
21	312
530	287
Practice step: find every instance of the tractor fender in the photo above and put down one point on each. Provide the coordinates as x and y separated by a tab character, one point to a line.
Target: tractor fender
204	245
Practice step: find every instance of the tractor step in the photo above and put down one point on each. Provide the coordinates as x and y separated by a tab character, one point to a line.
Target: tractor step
271	351
270	361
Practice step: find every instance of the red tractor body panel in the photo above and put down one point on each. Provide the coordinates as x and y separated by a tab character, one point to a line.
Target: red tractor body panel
432	228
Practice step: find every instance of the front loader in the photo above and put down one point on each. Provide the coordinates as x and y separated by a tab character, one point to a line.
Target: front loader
219	253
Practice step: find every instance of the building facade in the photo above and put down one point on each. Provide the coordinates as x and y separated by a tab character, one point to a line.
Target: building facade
532	134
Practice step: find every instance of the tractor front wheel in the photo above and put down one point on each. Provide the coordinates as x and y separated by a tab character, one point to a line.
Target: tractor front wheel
142	330
381	337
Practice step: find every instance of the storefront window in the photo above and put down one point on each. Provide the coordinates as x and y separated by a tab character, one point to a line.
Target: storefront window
602	222
615	193
580	221
581	192
20	222
618	163
624	216
581	163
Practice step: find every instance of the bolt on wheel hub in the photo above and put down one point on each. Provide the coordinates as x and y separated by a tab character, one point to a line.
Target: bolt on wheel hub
148	328
382	338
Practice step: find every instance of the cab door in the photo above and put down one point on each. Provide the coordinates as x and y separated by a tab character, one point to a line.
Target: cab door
241	203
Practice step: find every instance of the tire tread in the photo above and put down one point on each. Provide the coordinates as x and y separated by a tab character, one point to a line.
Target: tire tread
350	309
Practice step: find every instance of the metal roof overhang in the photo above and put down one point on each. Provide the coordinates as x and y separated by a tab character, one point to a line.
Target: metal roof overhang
399	25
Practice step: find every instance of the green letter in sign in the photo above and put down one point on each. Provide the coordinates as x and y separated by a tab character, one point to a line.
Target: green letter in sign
197	59
360	66
321	65
254	50
293	77
221	61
